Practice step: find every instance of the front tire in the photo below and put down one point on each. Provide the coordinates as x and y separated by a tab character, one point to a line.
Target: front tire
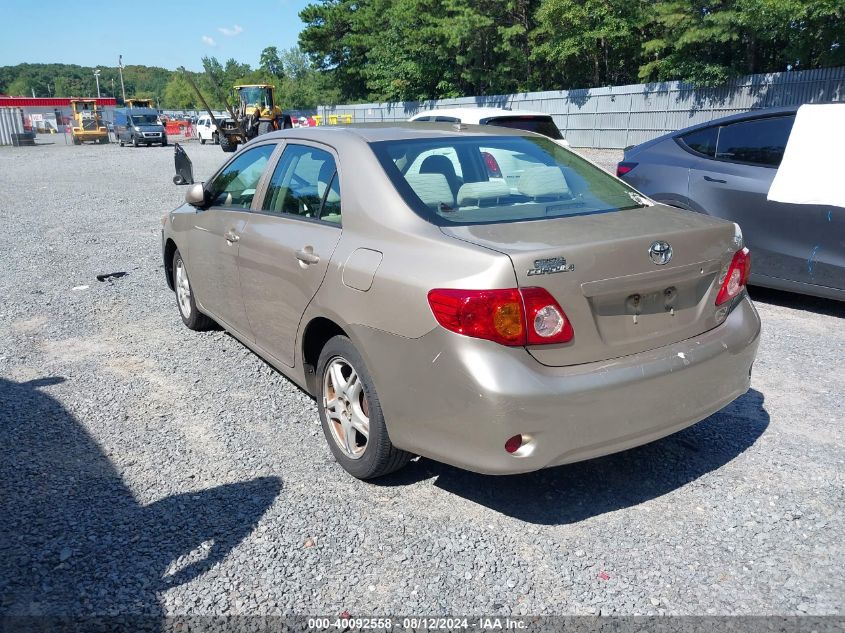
134	141
202	141
191	316
351	415
215	139
264	127
226	145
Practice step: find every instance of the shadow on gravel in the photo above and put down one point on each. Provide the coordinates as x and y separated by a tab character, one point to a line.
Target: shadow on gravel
572	493
797	301
73	539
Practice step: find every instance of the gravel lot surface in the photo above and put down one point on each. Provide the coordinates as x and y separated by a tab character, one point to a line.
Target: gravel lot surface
150	469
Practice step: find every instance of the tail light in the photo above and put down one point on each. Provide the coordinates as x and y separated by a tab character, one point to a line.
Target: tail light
512	316
493	169
737	276
623	168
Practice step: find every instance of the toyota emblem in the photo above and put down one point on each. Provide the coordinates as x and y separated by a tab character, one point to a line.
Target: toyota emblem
660	252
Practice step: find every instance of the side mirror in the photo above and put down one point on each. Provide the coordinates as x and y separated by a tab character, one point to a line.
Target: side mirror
195	196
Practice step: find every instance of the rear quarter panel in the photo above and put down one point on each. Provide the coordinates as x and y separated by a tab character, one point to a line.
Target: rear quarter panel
662	172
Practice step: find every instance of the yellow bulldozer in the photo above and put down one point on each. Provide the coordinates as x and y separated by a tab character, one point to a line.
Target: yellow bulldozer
87	125
255	112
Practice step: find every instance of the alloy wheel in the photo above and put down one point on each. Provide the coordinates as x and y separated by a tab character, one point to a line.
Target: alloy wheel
346	407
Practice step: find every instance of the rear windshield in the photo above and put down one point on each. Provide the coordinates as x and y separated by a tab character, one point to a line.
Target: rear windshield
489	179
540	124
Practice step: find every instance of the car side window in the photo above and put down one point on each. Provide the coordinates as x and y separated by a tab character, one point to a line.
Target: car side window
446	119
760	142
702	141
305	183
235	185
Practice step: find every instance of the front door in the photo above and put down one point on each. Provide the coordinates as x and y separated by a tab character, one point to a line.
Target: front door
286	247
216	234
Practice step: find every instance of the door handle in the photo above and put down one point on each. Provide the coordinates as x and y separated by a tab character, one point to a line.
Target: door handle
709	179
232	237
307	257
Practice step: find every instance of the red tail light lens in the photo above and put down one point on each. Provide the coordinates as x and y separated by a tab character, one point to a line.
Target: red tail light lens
493	169
514	317
737	276
623	168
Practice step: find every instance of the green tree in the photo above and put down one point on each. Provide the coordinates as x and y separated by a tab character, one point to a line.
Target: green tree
178	94
583	43
708	41
270	62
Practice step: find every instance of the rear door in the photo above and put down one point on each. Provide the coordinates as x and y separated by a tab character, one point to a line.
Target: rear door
733	184
286	247
216	234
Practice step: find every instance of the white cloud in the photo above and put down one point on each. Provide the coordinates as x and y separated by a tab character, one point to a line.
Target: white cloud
209	40
231	32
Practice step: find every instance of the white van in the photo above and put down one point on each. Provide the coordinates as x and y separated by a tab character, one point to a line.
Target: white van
206	130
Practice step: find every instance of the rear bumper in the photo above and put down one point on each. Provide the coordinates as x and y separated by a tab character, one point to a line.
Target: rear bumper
457	400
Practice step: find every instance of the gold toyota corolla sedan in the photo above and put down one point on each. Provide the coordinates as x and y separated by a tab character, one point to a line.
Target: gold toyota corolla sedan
479	296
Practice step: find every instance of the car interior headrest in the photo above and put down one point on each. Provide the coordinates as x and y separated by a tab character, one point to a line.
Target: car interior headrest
432	189
543	182
477	193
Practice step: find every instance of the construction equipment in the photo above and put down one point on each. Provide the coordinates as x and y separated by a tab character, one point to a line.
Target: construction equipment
87	126
140	103
255	113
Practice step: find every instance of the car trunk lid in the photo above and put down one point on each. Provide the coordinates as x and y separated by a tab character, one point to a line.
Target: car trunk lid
598	267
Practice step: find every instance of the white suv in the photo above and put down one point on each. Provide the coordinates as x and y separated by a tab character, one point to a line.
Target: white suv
206	130
539	122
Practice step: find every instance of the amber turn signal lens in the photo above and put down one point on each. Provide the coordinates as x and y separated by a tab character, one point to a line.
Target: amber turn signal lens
508	320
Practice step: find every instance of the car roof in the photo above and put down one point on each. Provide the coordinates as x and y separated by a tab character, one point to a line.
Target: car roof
474	115
394	131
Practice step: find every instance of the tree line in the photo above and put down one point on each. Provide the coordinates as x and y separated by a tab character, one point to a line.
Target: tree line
397	50
394	50
300	86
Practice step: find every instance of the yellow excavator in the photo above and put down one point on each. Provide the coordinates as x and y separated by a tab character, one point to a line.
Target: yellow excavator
255	113
87	126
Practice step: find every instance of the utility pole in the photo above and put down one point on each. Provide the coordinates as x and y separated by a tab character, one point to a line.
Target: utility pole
120	69
97	78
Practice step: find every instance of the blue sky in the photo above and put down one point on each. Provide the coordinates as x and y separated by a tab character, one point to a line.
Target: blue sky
150	32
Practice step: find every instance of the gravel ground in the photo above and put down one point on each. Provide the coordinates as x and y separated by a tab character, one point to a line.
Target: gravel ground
149	469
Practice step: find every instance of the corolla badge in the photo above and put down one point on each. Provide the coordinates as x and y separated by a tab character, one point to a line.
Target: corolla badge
550	266
660	252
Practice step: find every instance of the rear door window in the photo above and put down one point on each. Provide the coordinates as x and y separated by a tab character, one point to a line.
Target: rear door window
702	141
759	142
305	183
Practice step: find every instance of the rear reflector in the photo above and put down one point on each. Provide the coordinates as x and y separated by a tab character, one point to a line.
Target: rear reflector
623	168
513	444
510	316
737	276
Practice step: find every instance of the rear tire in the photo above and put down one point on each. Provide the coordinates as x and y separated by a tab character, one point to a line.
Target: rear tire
226	145
351	415
191	316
